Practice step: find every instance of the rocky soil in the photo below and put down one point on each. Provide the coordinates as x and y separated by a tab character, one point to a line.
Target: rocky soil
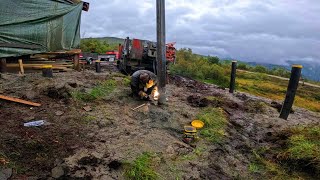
97	143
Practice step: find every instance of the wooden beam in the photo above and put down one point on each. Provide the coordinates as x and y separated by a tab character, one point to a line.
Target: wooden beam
19	101
21	66
3	65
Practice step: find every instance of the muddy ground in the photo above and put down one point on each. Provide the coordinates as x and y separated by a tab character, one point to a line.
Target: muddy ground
97	144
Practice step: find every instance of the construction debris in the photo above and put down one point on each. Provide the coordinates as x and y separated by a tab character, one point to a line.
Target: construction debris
19	101
35	123
138	107
87	108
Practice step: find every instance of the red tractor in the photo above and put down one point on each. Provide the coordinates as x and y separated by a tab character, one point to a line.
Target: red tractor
139	54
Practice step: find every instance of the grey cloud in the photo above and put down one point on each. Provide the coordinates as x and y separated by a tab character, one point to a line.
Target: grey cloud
263	31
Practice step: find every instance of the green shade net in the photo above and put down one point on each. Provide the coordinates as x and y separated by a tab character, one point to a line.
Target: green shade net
38	26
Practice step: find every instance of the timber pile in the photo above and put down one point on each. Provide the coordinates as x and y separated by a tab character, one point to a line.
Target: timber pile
37	65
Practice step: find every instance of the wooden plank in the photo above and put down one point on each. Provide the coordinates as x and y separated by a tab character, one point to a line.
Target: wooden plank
38	65
73	51
3	65
21	66
19	101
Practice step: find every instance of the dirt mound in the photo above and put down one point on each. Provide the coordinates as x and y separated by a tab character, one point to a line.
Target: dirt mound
198	101
60	91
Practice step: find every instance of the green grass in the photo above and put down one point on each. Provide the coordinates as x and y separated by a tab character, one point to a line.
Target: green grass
298	159
255	167
142	168
215	124
303	148
98	92
273	88
269	169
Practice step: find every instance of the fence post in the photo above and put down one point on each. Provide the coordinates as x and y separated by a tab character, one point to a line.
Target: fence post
77	62
98	67
233	76
291	91
3	65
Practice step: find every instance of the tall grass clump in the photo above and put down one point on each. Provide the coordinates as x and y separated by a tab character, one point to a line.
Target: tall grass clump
141	168
215	124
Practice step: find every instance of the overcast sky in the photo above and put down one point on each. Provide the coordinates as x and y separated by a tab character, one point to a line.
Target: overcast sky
270	31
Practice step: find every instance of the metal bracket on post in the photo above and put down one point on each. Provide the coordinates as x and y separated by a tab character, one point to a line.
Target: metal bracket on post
233	76
291	91
161	50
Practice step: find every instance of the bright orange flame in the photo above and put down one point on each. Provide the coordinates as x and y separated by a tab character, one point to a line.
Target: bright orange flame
156	95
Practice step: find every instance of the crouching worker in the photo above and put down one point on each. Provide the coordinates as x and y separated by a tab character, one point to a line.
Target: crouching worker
144	85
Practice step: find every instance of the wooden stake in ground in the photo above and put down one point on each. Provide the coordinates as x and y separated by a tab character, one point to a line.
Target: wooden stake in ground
76	62
3	65
21	66
19	101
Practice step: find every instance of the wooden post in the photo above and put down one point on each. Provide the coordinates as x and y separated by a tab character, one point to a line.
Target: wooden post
3	65
291	91
76	62
233	76
21	66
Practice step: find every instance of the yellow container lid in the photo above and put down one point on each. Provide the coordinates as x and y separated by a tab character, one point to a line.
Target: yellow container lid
197	124
46	66
297	66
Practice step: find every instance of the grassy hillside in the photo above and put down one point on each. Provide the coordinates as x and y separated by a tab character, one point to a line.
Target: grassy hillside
269	87
110	40
208	69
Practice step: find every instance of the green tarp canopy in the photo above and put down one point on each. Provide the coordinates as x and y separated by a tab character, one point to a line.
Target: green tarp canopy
38	26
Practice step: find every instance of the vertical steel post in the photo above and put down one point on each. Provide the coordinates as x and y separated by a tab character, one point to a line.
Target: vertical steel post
98	67
291	91
161	50
233	76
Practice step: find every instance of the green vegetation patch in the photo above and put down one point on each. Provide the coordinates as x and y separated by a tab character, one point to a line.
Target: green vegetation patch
303	151
142	168
200	68
215	124
269	169
98	92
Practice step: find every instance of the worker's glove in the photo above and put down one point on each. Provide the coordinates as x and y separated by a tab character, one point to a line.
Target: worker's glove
143	95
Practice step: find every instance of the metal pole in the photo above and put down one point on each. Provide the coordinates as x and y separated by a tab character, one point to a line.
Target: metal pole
291	91
98	67
161	50
233	76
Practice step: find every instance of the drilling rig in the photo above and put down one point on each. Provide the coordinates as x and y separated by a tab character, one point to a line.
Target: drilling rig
139	54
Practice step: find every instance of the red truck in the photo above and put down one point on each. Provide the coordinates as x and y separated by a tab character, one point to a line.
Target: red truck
139	54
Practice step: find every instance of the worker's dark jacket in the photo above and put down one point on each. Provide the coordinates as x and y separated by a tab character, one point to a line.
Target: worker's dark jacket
137	85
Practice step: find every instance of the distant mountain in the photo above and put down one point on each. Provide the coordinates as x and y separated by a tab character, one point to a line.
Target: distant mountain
110	40
311	70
